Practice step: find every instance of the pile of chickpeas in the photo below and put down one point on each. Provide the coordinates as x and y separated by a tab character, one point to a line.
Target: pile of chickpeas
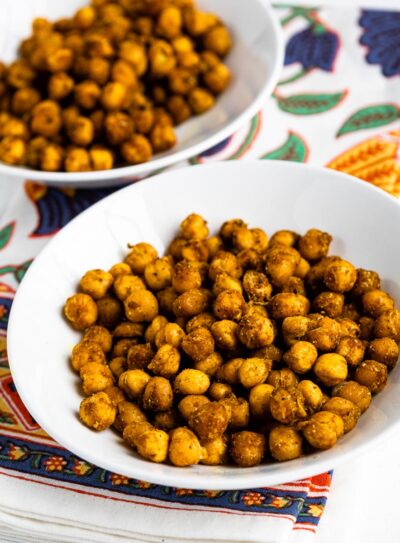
232	347
105	87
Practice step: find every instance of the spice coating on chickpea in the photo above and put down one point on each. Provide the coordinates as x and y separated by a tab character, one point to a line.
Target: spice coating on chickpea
247	448
209	420
384	350
285	443
372	374
81	311
323	429
184	447
331	369
97	411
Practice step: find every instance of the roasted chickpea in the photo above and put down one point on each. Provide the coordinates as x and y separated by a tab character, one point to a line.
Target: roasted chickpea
24	100
171	334
348	328
158	274
225	334
346	409
372	374
352	349
140	255
259	400
239	410
375	302
182	81
98	45
166	298
283	378
115	394
253	371
179	108
184	448
218	78
32	152
294	329
384	350
209	364
229	304
166	420
247	448
101	158
324	333
129	330
323	429
301	356
203	320
331	369
198	344
209	420
86	352
137	149
287	405
20	74
287	304
141	305
109	311
216	451
218	40
97	411
119	127
158	395
132	430
127	283
340	276
96	283
162	58
77	160
358	394
122	346
52	158
139	356
81	311
190	403
388	325
366	280
312	395
165	362
285	443
271	352
224	262
190	381
200	100
121	268
87	94
281	263
329	304
185	277
303	267
169	22
95	377
118	365
257	287
46	119
133	382
219	391
314	245
128	413
191	303
99	335
113	95
152	444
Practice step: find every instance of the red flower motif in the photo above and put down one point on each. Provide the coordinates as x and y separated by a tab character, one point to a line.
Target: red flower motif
55	463
184	492
3	311
16	453
212	493
253	498
144	484
81	468
118	480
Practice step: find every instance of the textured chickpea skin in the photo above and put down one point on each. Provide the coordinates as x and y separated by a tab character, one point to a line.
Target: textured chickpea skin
185	277
372	374
301	356
388	325
95	377
360	395
352	349
312	395
256	331
340	276
133	382
191	303
283	378
366	280
158	274
96	283
253	371
287	405
184	447
384	350
375	302
331	369
209	420
229	304
97	411
198	344
126	284
287	304
87	351
323	429
190	403
141	305
285	443
190	381
81	311
165	362
247	448
139	256
152	444
314	245
346	409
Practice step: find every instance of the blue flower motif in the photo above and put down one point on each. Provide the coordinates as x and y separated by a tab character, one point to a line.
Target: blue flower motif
382	38
314	47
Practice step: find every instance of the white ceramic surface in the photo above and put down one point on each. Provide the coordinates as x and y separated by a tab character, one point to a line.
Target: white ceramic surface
255	60
363	220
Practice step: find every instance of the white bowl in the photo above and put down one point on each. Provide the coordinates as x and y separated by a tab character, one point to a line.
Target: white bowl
255	60
273	195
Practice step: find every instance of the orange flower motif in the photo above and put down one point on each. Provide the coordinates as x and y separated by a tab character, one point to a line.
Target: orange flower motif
278	502
118	480
253	498
315	510
81	468
16	453
144	484
3	311
184	492
211	493
55	463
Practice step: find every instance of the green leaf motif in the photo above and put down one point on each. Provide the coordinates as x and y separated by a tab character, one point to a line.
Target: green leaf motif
5	234
21	270
294	149
369	117
309	104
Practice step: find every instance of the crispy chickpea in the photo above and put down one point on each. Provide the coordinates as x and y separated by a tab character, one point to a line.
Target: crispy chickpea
303	267
388	325
271	352
81	311
126	284
46	119
135	54
122	346
301	356
195	251
52	158
230	305
191	303
162	58
182	81
351	311
287	304
372	374
294	285
68	115
97	411
209	364
294	329
133	382
118	127
224	281
60	86
85	352
98	45
358	394
331	369
225	334
285	443
141	305
166	420
281	263
158	274
256	331
218	40
179	108
130	432
200	100
137	149
96	283
14	128
224	262
139	356
194	227
249	259
101	158
323	429
99	335
118	365
253	371
340	276
218	78
256	286
314	245
77	160
259	400
219	391
24	100
113	95
87	94
284	237
185	277
158	395
115	394
171	334
20	74
95	377
366	280
198	344
99	70
190	381
287	405
348	328
140	255
239	410
346	409
121	268
190	403
375	302
209	420
352	349
229	372
324	334
247	448
384	350
312	395
129	330
282	378
166	298
129	413
152	444
169	22
329	304
165	362
184	448
203	320
216	451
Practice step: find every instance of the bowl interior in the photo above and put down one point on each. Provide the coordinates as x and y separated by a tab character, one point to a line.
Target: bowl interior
271	195
255	61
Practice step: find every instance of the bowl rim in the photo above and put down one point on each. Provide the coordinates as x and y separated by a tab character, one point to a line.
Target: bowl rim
128	173
244	477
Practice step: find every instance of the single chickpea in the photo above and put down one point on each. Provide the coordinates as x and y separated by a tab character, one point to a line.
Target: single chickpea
117	366
99	335
20	74
125	284
99	70
96	283
254	371
259	400
294	329
101	158
184	448
372	374
152	444
209	364
141	305
81	311
346	409
239	410
314	245
24	100
352	349
113	95
203	320
247	448
351	311
324	334
179	108
190	403
98	45
165	362
283	378
358	394
331	369
219	391
287	405
384	350
129	413
198	22
224	281
130	432
135	54
366	280
158	274
119	127
285	443
97	411
140	255
329	304
229	372
95	377
301	356
129	330
137	149
348	328
133	382
110	311
162	58
158	395
169	22
340	276
87	352
121	268
166	420
68	115
200	100
191	303
224	262
46	119
218	40
375	302
182	81
323	429
198	344
122	346
225	334
287	304
256	331
303	267
162	138
190	381
256	286
216	451
281	263
388	325
139	356
166	298
77	160
115	394
209	420
170	334
312	394
229	304
218	78
271	352
52	158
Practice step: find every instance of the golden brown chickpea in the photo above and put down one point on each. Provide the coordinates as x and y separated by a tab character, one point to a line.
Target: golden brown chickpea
99	335
384	350
254	371
331	369
388	325
350	311
152	444
113	95
87	94
190	303
195	251
294	329
271	352
218	40
14	128
190	403
99	71
110	311
68	115
346	409
340	276
166	420
348	328
162	58
80	67
230	305
259	400
256	331
85	352
46	119
200	100
203	320
179	108
329	304
239	410
118	127
303	267
162	138
282	378
257	286
190	381
352	349
324	334
312	395
314	245
295	285
130	432
77	160
182	81
115	394
375	302
229	372
281	263
372	374
247	448
139	356
284	237
184	448
129	413
209	364
171	334
95	377
224	281
210	420
185	277
323	429
129	330
287	304
118	365
24	100
301	356
121	268
60	86
126	284
101	158
285	443
165	362
137	149
354	392
135	54
366	280
225	334
140	255
133	382
122	346
52	158
216	451
219	391
158	395
218	78
98	45
20	74
198	344
169	22
158	274
287	405
81	311
224	262
96	283
166	298
97	411
141	305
